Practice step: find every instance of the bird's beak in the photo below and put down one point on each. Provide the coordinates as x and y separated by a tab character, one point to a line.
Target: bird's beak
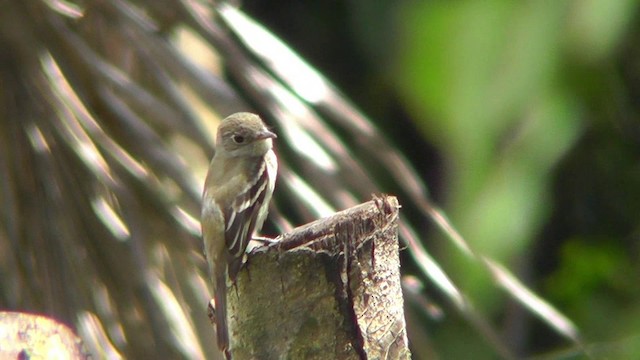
266	134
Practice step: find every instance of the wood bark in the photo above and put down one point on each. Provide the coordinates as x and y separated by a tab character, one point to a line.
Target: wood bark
31	336
327	290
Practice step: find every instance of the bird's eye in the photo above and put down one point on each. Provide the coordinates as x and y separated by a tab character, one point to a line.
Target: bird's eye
238	139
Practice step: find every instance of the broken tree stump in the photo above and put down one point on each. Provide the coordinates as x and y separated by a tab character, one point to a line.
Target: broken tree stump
327	290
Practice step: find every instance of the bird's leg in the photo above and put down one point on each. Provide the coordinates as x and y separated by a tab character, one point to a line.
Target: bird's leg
211	311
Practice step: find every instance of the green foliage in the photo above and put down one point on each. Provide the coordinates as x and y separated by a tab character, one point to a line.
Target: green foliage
507	91
482	77
588	267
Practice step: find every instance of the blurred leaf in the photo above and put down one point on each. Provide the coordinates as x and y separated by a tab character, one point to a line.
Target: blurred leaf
487	79
588	268
596	26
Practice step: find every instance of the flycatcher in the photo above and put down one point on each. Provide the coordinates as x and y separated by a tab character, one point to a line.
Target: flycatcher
236	197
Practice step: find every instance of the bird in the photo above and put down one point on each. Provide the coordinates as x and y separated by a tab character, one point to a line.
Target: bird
235	200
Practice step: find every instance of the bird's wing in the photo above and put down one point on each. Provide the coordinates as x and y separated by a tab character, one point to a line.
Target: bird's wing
240	218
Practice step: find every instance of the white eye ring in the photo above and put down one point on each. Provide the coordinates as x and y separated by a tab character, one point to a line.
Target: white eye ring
238	139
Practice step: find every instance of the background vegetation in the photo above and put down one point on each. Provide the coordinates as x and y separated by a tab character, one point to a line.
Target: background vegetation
521	117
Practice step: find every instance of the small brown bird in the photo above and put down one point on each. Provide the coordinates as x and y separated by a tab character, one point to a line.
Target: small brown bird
236	198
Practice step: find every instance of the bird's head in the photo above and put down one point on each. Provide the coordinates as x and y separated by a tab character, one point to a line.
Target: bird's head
244	134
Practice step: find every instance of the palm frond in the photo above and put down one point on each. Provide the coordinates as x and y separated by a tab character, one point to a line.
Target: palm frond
103	149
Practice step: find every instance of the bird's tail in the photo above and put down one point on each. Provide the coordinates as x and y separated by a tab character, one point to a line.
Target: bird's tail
220	297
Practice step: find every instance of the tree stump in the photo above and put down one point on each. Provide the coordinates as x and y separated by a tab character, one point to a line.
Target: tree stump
327	290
